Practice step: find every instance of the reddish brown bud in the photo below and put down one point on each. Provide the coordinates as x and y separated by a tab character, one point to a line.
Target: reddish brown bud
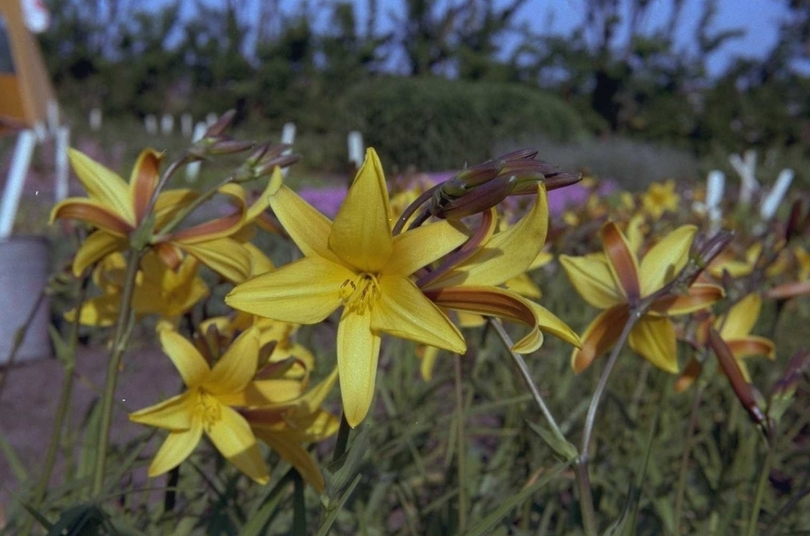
745	392
220	125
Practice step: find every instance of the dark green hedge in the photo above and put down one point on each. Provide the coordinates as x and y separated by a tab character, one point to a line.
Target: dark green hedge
434	123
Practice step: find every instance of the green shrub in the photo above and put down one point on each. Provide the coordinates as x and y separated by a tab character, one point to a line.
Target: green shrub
433	123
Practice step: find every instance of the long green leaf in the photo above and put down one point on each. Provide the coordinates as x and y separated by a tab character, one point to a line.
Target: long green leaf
335	510
486	524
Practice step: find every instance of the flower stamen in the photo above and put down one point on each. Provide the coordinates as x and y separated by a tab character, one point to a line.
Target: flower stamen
359	295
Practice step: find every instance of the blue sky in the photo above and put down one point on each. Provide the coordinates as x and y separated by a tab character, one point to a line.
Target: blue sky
759	18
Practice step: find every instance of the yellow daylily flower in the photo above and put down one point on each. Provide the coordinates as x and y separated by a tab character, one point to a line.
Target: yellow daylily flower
117	209
474	285
615	280
734	328
205	407
158	290
660	198
356	263
286	425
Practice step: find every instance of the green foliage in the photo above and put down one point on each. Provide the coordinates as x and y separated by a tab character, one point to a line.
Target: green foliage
434	123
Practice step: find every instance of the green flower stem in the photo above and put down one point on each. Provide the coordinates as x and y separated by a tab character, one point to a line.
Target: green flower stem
123	330
173	168
527	377
342	442
764	471
687	450
583	478
461	464
299	527
188	209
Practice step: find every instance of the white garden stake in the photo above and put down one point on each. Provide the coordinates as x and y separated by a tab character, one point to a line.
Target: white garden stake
20	161
210	119
95	119
715	184
166	124
746	169
62	141
193	169
150	123
288	137
356	148
774	198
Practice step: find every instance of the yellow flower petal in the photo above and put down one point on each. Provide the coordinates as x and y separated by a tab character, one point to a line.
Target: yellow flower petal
225	256
740	319
186	358
428	361
175	449
599	336
261	204
361	232
698	296
172	414
296	455
523	285
232	436
276	392
101	311
143	181
654	338
97	246
93	212
509	253
303	292
358	350
414	249
752	346
308	228
592	279
550	323
666	259
236	367
103	185
621	261
403	311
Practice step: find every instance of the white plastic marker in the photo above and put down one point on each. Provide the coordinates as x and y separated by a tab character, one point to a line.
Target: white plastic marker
715	184
746	168
186	125
288	137
95	119
62	139
20	161
210	119
150	123
166	124
193	169
774	198
356	148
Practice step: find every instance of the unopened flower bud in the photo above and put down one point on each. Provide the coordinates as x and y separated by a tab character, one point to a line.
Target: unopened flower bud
785	388
229	146
477	199
220	125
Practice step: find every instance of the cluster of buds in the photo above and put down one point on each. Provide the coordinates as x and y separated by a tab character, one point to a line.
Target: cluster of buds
216	142
477	188
264	160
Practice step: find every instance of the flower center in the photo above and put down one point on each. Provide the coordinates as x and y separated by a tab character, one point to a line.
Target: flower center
208	409
360	293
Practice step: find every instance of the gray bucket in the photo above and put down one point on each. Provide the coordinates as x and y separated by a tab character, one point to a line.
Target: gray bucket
24	268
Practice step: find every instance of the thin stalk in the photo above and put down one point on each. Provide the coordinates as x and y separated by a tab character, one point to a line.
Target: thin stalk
171	170
764	471
122	332
342	442
299	527
687	451
583	478
461	462
527	377
413	207
188	209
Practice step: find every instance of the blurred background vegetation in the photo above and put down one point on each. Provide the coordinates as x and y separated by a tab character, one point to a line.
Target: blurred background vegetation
442	87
